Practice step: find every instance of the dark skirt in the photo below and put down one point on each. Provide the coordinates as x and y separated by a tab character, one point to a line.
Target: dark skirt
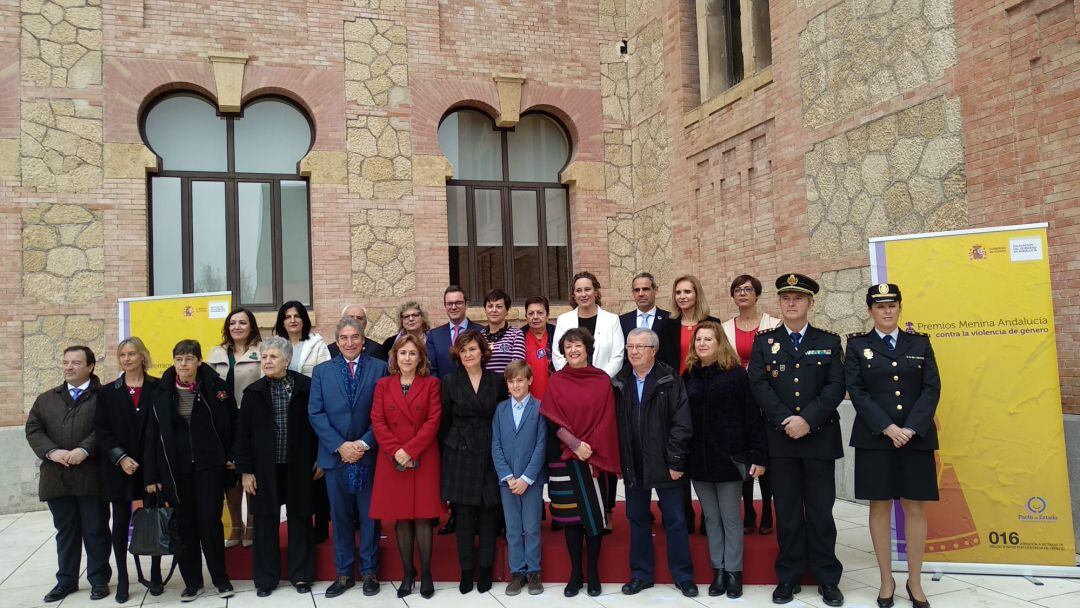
575	496
469	478
893	474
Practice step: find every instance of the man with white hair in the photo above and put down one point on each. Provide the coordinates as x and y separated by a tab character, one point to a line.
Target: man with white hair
371	348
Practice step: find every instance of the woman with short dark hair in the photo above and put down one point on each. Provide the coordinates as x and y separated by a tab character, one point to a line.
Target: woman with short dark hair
470	396
507	343
188	451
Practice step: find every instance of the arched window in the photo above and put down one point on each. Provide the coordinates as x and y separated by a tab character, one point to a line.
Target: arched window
508	214
229	209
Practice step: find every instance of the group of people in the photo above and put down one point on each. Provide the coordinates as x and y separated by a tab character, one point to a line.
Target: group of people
478	418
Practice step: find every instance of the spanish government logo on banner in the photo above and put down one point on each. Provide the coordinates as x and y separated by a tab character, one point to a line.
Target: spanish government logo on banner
983	296
162	321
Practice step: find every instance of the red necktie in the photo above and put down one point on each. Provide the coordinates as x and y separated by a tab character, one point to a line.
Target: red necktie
352	369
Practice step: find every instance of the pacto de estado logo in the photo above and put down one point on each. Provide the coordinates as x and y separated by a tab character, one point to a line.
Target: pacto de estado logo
1036	505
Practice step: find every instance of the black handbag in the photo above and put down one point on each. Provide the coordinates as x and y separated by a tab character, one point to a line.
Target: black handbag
155	529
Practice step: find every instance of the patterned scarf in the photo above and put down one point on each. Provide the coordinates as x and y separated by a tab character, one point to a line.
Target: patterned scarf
356	474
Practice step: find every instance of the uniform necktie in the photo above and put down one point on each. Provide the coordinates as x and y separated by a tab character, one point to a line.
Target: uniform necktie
796	337
352	369
888	341
75	392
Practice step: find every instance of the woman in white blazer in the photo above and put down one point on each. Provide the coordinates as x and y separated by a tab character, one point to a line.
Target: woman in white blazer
609	343
309	348
740	331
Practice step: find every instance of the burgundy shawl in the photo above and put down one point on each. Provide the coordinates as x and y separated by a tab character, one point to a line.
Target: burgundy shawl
582	401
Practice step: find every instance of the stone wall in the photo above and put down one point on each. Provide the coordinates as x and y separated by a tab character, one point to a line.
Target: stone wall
44	341
622	248
650	157
62	251
383	253
900	174
61	43
376	63
861	52
380	157
841	304
640	242
646	69
618	166
61	145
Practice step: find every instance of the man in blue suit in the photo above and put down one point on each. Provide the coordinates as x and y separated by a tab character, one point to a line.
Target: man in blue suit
646	314
340	412
441	339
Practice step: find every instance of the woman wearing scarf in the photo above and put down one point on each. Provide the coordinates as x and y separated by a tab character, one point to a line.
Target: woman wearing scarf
580	406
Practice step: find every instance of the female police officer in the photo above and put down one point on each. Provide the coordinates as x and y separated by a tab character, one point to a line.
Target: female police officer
893	382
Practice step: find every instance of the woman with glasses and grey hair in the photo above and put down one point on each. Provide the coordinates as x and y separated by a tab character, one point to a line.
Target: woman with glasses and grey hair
413	320
275	455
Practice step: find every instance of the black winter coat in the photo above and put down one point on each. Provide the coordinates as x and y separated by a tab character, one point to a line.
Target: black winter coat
468	472
58	422
666	426
120	429
207	439
669	332
727	423
255	447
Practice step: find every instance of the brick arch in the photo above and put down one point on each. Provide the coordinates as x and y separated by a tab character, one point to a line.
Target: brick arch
254	95
132	85
470	104
321	93
564	118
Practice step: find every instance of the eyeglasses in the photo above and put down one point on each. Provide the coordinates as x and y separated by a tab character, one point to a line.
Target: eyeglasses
638	346
457	304
746	290
410	315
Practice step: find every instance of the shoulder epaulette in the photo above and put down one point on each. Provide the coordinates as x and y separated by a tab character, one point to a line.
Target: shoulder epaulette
770	330
825	331
858	334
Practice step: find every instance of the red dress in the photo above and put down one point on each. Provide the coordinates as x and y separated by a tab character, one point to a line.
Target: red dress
744	343
409	422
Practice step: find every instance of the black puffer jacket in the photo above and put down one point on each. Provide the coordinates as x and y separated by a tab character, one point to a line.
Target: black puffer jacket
174	445
665	426
727	423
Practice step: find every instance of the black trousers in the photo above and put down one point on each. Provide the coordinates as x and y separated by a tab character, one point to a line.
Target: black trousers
470	520
121	522
609	485
805	490
321	505
199	496
266	560
81	521
766	497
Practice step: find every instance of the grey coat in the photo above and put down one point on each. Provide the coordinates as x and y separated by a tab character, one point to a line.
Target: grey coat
57	422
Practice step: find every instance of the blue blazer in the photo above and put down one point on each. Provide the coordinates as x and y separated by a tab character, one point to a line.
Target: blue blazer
438	344
335	421
519	452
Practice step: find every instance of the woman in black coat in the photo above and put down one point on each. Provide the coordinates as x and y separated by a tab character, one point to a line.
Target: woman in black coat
469	483
188	450
726	448
275	455
120	427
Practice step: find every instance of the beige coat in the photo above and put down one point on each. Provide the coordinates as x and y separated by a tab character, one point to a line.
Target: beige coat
248	368
766	322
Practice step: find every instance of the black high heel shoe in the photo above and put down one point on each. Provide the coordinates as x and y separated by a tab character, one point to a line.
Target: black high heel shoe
887	602
427	586
914	602
406	584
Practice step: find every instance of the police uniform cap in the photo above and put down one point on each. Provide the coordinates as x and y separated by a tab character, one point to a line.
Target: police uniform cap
883	292
796	282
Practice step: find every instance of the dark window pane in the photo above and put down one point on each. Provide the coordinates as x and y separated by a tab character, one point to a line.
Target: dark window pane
537	148
526	236
295	250
271	137
167	235
187	134
490	267
762	34
558	244
458	235
723	44
468	141
209	261
256	243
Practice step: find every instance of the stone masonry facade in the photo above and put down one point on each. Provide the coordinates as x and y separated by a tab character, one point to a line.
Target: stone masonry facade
876	117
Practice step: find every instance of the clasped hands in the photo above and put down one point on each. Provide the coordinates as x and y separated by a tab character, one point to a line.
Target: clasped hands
900	437
517	485
352	451
403	459
68	458
796	427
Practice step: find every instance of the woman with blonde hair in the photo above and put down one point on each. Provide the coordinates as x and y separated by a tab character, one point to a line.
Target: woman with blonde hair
727	447
413	320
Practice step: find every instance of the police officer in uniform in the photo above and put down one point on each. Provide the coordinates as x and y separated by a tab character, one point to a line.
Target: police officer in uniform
797	377
893	381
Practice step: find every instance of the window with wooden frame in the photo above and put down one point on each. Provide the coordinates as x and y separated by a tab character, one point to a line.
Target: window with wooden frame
508	215
229	210
734	41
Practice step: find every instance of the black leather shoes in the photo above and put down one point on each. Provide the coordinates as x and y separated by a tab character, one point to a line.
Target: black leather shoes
688	588
225	590
58	593
371	585
303	587
635	586
122	595
572	588
341	585
592	586
887	602
733	581
831	595
785	592
719	585
156	588
99	592
190	594
263	592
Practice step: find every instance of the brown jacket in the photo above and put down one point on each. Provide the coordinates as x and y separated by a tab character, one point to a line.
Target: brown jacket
57	422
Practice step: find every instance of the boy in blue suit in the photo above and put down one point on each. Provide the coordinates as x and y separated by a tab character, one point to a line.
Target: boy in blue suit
518	444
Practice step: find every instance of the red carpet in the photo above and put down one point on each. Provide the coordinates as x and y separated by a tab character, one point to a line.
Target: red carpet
758	556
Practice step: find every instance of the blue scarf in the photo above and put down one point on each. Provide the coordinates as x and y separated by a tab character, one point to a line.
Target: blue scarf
356	474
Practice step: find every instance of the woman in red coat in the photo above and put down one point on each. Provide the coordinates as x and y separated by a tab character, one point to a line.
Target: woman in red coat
405	417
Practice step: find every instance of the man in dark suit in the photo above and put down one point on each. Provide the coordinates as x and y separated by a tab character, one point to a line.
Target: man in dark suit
797	377
339	408
646	314
441	339
370	348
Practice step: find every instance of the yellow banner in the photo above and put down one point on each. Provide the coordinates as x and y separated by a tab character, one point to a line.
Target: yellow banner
984	298
162	321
